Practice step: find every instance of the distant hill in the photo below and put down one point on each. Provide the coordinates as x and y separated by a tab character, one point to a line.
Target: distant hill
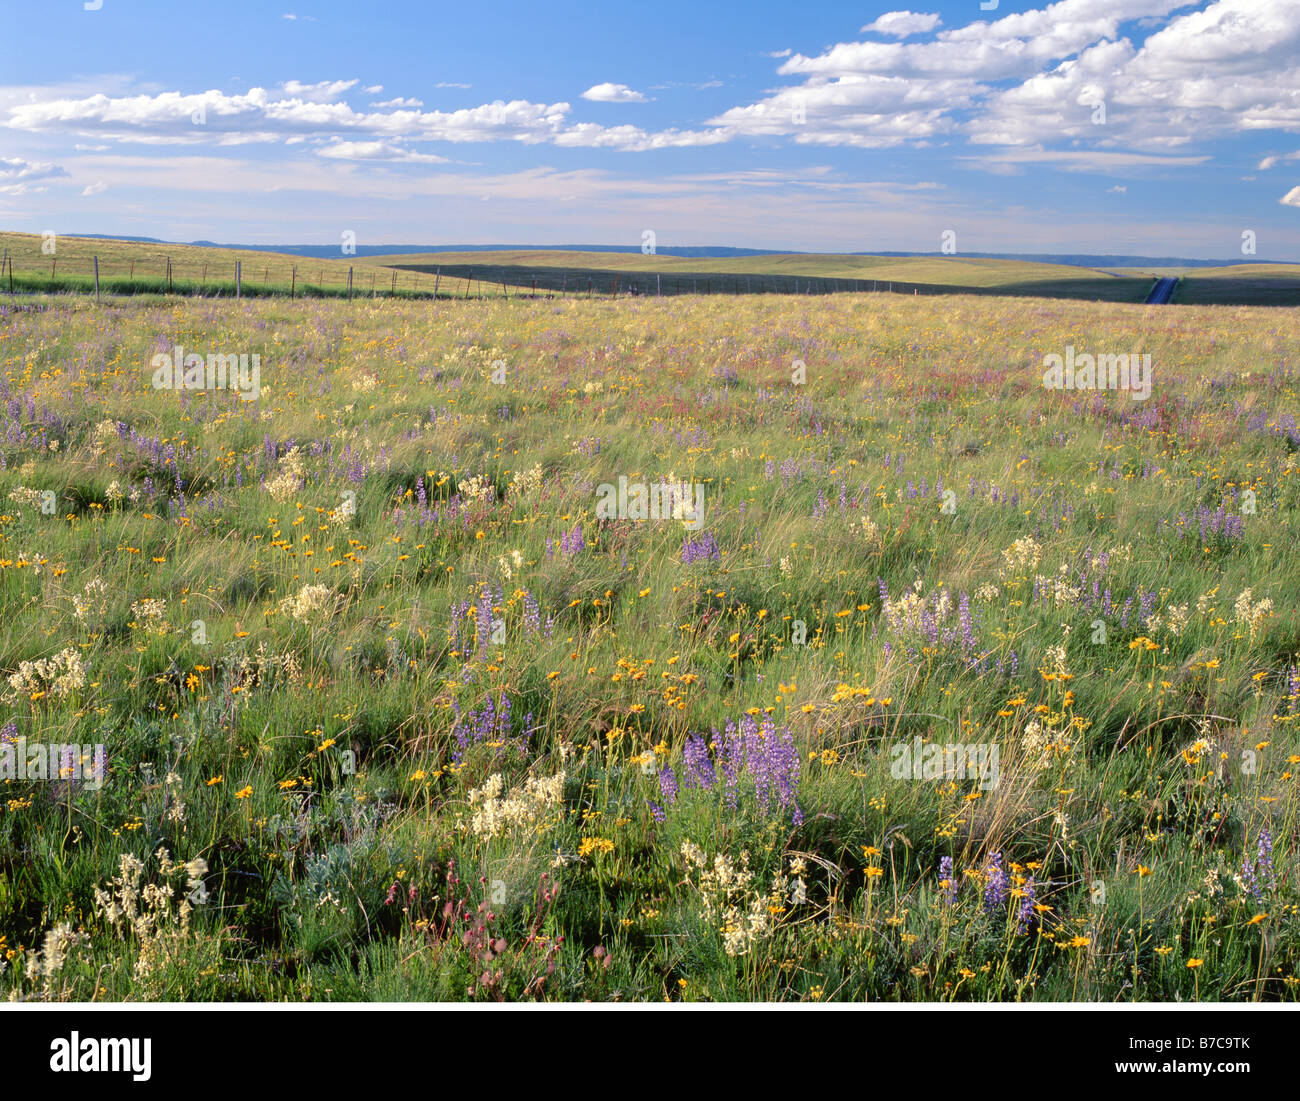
334	252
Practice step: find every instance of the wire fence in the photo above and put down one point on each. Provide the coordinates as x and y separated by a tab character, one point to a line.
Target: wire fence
22	273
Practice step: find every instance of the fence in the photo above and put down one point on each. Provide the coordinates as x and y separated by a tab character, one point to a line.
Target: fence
248	278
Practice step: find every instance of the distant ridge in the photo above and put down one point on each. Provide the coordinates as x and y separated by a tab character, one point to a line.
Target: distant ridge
1082	260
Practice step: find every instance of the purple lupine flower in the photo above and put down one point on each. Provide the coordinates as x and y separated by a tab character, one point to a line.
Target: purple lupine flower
668	786
997	884
705	548
948	880
1026	911
572	542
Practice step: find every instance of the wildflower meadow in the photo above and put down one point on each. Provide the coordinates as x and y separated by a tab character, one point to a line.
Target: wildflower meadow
749	648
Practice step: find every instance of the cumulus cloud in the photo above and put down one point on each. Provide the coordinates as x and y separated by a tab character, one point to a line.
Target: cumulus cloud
613	93
1291	198
903	24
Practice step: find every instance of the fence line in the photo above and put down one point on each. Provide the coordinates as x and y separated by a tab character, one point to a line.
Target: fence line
120	277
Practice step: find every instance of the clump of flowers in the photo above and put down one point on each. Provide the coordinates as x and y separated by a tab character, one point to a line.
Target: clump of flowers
1258	875
490	725
572	542
1021	557
478	489
509	564
522	808
525	483
291	476
103	438
25	495
310	602
45	967
1250	614
705	549
91	604
150	616
745	915
144	911
760	753
56	677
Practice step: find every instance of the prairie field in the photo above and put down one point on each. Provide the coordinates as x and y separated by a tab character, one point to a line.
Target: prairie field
364	694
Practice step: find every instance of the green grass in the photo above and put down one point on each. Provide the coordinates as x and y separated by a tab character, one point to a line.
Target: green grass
314	747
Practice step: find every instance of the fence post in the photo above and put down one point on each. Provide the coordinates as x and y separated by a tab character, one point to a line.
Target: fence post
564	282
293	283
437	279
349	284
659	286
239	279
96	278
469	279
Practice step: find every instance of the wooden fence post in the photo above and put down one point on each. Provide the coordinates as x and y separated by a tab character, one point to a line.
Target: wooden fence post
293	283
239	279
96	278
436	281
349	284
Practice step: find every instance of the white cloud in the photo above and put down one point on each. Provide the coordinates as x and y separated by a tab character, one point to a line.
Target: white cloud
613	93
304	18
97	188
1267	163
451	84
1118	189
322	92
15	169
400	102
902	24
373	90
1291	198
376	151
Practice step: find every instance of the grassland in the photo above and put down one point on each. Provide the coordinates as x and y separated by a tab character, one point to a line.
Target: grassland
389	712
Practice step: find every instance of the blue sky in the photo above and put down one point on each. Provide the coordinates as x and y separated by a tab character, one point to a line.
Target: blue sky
1118	126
